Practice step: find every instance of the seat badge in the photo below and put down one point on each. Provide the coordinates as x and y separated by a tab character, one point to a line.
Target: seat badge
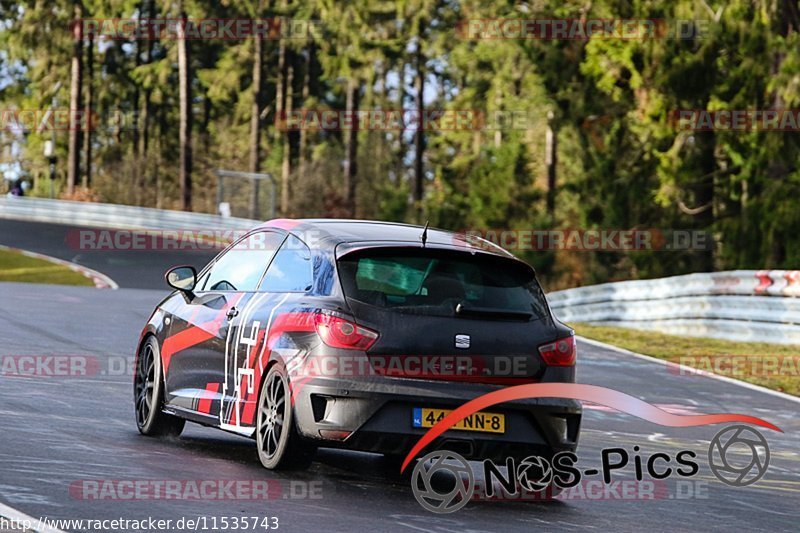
462	341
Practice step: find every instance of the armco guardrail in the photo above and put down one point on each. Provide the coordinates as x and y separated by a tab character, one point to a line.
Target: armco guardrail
743	305
746	305
114	216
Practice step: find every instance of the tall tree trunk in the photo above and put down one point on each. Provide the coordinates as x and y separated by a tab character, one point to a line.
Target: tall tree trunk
351	149
87	136
286	167
185	127
303	151
145	163
498	133
163	127
138	168
419	136
255	119
205	125
75	101
400	165
280	91
380	135
551	162
149	9
280	82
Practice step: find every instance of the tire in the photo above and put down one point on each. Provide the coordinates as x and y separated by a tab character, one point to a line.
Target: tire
279	444
148	394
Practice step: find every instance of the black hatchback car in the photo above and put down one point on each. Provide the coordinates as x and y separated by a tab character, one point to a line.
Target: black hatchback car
360	335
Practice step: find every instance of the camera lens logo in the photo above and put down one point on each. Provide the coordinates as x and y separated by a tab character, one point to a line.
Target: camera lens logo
738	456
534	474
438	482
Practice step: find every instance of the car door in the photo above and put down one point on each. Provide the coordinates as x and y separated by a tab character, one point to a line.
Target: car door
264	325
197	346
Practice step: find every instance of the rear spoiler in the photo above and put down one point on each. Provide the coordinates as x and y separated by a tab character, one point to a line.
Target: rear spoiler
458	244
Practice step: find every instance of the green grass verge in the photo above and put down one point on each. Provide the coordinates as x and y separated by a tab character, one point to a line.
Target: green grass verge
19	268
774	366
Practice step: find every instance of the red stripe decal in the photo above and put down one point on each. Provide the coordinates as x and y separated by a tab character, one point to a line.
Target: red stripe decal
204	405
187	338
194	335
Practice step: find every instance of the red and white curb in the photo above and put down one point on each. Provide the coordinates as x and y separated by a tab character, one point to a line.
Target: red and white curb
101	281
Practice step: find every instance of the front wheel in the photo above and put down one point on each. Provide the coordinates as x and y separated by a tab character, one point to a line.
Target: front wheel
148	392
279	444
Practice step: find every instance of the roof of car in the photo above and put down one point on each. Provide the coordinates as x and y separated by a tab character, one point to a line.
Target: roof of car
328	233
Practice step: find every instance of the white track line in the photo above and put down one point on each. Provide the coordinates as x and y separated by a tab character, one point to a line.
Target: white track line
693	371
101	281
17	516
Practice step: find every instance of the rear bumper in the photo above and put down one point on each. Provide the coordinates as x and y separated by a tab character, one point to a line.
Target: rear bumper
376	415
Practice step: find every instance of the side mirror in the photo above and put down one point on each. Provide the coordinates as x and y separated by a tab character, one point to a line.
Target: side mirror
183	278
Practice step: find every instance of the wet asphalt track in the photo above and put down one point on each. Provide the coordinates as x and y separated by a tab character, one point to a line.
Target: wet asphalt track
57	431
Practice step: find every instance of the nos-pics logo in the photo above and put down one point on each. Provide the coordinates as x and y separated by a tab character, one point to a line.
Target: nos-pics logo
443	481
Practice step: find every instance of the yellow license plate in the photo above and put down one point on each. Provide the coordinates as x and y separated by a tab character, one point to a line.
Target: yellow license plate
482	422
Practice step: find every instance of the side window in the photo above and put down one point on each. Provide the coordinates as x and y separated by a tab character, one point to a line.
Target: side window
241	267
291	271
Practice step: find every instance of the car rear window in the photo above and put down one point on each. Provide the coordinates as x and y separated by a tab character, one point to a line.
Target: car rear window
434	282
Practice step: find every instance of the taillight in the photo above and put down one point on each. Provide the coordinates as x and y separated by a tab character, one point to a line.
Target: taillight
340	333
559	353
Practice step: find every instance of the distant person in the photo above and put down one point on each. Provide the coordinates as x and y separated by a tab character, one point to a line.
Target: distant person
16	189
